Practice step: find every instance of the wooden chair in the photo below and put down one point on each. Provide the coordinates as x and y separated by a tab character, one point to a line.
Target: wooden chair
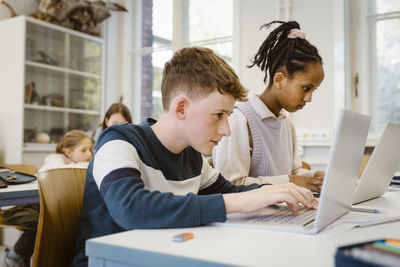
61	197
305	165
24	168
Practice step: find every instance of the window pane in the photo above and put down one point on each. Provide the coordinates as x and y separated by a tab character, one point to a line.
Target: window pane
157	23
387	86
223	50
162	22
385	6
151	74
210	19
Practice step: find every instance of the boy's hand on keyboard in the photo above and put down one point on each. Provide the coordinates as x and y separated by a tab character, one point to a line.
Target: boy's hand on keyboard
312	183
265	196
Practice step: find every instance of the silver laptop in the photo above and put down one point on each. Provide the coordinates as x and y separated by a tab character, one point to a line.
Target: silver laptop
337	189
382	165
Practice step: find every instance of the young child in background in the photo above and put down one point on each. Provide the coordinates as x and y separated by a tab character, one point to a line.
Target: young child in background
116	113
262	147
73	151
153	175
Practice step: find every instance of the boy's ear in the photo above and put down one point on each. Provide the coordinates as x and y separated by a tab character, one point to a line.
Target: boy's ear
180	107
279	79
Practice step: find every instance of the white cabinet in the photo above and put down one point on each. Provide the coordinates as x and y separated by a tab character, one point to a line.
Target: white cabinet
51	81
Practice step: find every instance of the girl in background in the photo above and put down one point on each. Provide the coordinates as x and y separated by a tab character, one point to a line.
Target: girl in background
116	113
73	151
262	146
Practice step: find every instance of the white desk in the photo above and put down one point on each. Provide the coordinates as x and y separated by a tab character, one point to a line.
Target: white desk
19	194
222	246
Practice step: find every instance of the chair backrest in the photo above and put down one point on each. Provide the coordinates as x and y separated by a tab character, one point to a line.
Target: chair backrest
61	197
24	168
305	165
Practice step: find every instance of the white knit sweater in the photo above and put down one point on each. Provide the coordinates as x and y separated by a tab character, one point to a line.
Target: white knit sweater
274	154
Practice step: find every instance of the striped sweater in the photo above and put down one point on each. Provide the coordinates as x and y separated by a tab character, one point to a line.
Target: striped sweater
134	182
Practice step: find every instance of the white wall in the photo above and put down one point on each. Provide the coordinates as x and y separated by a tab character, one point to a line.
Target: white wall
316	18
24	7
115	35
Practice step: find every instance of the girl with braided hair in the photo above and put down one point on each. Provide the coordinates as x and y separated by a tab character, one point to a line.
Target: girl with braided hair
262	145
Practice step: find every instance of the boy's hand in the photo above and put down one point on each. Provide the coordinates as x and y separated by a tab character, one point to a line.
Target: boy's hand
312	183
268	195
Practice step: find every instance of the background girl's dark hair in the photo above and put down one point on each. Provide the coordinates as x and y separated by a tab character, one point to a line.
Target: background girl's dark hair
117	108
280	53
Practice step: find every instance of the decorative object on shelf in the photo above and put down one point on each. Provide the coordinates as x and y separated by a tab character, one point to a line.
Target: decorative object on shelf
42	138
55	100
80	15
31	96
30	135
45	58
12	11
56	134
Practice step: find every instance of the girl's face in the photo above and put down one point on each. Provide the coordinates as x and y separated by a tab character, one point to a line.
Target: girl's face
115	119
82	152
295	92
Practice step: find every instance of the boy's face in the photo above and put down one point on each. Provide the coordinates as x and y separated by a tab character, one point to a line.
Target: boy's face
206	121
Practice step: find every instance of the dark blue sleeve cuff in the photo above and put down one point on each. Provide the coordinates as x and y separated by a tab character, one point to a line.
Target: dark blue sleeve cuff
212	208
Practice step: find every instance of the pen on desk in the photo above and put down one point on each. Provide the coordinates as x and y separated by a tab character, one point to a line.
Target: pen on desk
368	210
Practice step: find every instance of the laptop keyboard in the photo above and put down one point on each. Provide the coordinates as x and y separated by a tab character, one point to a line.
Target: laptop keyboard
285	216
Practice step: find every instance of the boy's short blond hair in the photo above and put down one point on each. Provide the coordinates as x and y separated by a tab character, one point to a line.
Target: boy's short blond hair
197	72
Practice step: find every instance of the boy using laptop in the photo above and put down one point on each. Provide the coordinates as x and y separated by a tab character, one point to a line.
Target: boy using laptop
153	175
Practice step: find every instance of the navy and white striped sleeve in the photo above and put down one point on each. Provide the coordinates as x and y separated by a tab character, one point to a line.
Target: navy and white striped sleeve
116	171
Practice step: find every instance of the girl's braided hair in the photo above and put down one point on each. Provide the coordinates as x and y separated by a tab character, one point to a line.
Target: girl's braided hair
280	53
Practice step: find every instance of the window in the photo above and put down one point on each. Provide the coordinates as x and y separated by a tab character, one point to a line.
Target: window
166	26
375	38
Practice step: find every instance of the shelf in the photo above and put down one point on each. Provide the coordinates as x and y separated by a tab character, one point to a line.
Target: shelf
38	147
59	28
61	69
61	109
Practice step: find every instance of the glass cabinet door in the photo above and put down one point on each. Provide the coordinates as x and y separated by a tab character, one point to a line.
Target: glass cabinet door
62	83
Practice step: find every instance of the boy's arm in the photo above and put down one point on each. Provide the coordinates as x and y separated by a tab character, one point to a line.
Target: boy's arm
254	200
231	157
117	176
253	197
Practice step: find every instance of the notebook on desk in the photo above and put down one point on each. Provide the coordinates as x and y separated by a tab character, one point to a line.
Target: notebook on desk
337	189
382	165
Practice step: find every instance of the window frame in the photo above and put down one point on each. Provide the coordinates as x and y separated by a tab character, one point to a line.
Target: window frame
180	22
361	42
